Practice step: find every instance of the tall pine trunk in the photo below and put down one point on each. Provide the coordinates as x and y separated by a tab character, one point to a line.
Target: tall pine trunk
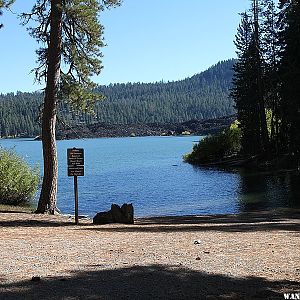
262	115
264	143
47	201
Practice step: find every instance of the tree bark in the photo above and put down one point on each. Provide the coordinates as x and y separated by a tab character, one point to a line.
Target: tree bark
261	101
48	196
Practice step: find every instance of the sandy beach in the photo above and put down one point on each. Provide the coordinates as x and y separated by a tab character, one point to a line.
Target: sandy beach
246	256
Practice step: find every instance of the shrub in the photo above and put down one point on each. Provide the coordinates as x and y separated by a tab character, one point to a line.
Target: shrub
18	182
216	147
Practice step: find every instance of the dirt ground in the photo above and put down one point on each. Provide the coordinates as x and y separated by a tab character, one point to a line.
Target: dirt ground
246	256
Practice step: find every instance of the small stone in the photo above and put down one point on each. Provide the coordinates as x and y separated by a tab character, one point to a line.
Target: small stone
197	242
36	278
206	252
198	258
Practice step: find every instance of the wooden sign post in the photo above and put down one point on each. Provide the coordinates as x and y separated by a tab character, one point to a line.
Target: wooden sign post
75	168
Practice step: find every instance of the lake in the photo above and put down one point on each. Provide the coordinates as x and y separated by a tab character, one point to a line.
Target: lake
150	173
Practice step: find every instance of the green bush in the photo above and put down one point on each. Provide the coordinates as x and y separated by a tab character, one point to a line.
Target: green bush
18	182
216	147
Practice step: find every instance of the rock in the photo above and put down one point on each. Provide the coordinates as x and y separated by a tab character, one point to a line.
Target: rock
128	213
197	242
102	218
116	214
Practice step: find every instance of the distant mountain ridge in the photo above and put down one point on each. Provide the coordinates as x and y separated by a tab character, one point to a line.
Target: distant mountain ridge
200	97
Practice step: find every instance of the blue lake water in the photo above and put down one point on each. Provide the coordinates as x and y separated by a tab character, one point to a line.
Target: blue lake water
150	173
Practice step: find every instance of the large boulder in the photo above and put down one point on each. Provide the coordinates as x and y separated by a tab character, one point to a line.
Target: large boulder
116	214
104	217
128	213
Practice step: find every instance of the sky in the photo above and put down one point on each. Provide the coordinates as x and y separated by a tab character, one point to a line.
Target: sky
147	41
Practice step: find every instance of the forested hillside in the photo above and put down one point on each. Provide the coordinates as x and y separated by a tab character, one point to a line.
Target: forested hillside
202	96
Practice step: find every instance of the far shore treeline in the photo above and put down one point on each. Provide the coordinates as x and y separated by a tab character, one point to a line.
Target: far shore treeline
200	97
266	91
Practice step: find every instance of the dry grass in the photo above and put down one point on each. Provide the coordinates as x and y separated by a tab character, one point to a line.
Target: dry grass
250	256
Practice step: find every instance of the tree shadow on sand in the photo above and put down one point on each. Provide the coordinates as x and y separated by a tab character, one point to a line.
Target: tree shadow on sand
247	222
147	282
35	223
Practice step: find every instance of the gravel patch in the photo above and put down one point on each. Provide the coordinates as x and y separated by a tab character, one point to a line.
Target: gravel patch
247	256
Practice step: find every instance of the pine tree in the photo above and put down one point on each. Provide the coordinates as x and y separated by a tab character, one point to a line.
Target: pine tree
244	90
289	73
4	4
72	36
270	54
249	92
259	69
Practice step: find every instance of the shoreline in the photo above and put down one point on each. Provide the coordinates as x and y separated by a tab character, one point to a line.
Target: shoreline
109	130
30	209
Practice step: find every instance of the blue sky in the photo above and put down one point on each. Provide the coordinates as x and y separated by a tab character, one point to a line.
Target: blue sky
147	41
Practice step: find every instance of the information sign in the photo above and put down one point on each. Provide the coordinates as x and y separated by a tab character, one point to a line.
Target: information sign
75	168
75	162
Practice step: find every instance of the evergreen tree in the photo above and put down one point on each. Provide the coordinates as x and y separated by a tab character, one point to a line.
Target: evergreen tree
4	4
289	73
248	90
257	56
71	33
244	90
270	49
